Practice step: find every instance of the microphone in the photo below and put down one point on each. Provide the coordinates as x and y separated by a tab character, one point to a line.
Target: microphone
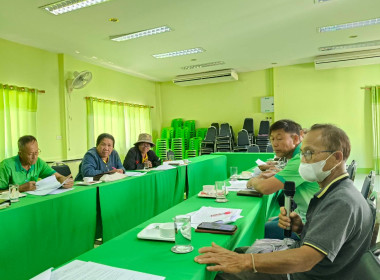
289	191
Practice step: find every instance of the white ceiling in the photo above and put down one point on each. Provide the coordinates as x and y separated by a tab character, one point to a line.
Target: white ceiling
246	34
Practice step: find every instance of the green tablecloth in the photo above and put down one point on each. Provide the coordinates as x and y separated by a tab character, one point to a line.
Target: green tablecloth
244	161
127	251
131	201
205	170
41	232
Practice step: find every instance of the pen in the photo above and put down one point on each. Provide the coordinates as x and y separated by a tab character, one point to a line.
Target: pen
218	214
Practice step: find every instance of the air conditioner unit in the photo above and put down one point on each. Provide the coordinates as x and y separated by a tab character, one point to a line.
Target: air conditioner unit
219	76
347	59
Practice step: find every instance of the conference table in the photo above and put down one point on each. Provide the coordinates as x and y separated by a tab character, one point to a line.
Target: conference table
43	231
155	257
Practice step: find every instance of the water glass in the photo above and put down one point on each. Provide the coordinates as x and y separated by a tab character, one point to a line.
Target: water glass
182	228
233	173
220	188
146	165
13	193
170	157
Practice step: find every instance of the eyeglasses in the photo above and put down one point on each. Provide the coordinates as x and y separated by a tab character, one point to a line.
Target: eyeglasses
33	154
308	155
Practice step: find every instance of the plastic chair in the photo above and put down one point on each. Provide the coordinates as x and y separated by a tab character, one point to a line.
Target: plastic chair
162	145
253	149
249	127
223	140
208	144
351	170
216	125
201	132
368	184
262	139
269	149
191	153
61	168
242	141
368	267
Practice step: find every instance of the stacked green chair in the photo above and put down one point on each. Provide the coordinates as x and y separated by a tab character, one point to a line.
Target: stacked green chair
167	133
162	146
177	123
191	126
184	134
201	132
195	144
178	147
191	153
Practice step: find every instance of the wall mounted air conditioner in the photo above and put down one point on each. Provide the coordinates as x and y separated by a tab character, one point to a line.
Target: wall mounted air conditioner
347	59
226	75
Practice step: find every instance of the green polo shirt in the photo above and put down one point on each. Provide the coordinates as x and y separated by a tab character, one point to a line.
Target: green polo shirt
11	172
304	190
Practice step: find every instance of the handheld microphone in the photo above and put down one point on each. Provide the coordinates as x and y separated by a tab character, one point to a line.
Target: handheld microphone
289	191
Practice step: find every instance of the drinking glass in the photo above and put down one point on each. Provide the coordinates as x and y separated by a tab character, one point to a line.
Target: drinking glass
182	228
13	193
220	188
233	173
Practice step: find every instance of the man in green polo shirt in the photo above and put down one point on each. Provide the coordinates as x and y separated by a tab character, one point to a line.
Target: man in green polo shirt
285	136
26	168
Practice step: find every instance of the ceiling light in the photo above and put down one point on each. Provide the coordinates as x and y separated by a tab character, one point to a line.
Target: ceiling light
139	34
350	46
178	53
203	65
349	25
320	1
66	6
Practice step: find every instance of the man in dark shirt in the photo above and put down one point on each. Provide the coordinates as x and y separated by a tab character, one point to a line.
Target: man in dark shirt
338	226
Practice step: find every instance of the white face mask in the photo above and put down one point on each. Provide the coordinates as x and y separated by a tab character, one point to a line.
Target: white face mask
313	172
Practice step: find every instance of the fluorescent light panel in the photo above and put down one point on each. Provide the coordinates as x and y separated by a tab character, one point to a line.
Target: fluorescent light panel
203	65
320	1
139	34
350	46
178	53
350	25
66	6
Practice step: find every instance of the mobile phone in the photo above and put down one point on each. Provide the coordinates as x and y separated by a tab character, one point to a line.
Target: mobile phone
216	228
250	193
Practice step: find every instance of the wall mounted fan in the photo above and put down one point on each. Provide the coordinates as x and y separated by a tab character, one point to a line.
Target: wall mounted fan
80	80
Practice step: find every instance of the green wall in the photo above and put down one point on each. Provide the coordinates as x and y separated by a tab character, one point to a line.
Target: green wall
61	115
329	96
230	102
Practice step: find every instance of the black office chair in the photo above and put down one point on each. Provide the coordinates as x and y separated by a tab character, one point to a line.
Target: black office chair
262	138
216	125
61	168
351	170
269	149
224	139
208	144
253	149
368	184
248	126
368	267
242	141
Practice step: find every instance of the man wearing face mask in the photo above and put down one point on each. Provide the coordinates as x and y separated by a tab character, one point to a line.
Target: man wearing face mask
337	232
285	137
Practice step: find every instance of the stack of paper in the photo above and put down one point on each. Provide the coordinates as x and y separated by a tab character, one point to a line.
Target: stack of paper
46	186
80	270
112	177
237	185
213	214
164	167
134	174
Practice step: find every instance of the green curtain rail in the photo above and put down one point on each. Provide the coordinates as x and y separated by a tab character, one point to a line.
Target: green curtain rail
12	87
118	102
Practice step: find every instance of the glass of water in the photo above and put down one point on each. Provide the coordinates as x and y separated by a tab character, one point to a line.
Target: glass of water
182	228
233	173
13	193
146	165
220	188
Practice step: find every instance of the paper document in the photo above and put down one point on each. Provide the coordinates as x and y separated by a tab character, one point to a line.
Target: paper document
260	162
80	270
165	167
237	185
112	177
58	191
46	186
175	162
46	275
213	214
134	174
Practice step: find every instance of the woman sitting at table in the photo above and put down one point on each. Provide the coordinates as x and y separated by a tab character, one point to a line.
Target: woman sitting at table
141	153
100	159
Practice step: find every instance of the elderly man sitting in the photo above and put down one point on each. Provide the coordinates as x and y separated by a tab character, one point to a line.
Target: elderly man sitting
338	227
26	168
